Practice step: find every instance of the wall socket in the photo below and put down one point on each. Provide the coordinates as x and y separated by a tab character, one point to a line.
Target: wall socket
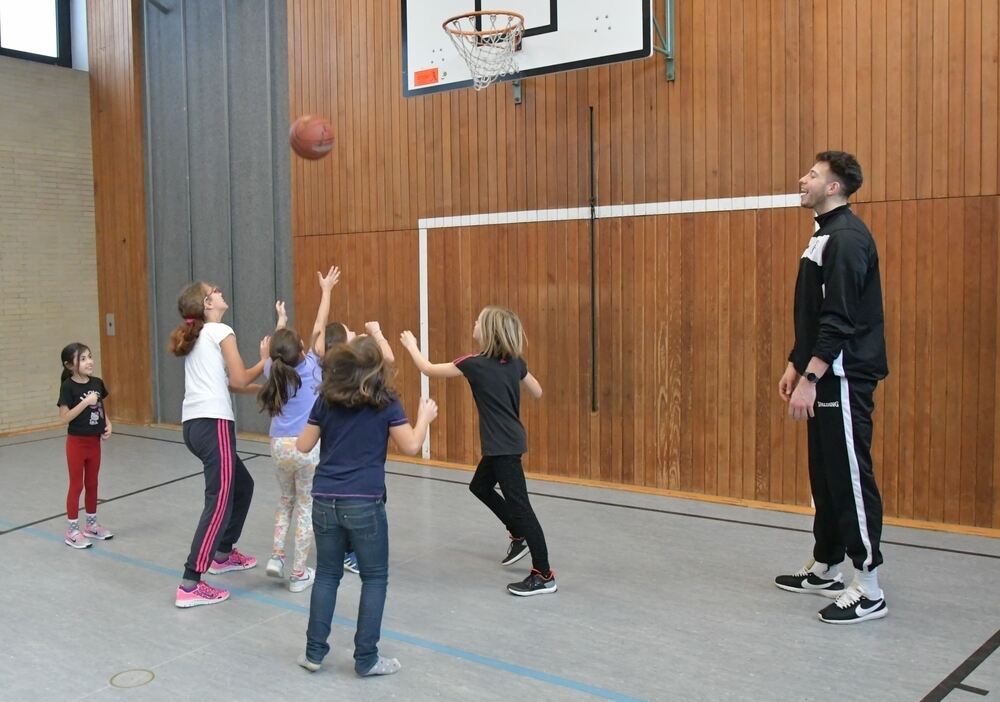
109	324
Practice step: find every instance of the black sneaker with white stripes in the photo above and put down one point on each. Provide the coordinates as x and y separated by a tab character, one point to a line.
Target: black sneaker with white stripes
853	606
518	549
812	579
534	584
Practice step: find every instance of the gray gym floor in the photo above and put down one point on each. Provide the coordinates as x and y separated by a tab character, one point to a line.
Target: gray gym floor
659	599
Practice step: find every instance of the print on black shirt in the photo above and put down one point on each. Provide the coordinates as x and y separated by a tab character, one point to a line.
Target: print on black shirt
90	422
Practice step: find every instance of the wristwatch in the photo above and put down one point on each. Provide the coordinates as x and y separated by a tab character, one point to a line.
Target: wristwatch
811	377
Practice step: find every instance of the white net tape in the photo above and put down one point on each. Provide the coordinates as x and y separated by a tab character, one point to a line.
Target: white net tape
487	41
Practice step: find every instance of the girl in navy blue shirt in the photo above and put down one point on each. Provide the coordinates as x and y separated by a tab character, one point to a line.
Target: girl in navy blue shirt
355	414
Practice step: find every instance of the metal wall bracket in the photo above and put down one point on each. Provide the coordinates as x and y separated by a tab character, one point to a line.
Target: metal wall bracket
516	85
666	37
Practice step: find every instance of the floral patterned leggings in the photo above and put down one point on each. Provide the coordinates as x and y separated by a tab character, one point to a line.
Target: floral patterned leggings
295	472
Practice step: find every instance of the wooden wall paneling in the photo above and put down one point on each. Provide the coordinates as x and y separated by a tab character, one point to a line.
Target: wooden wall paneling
698	379
953	348
987	510
120	204
886	228
896	78
726	356
971	129
925	60
862	107
957	73
939	93
912	488
990	107
970	243
939	368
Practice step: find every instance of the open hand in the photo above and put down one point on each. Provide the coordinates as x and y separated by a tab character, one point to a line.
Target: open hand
326	282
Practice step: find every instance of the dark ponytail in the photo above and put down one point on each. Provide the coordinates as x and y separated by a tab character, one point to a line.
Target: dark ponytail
283	381
191	305
70	355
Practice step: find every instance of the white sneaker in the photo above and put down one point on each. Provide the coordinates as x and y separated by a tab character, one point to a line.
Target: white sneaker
303	583
276	567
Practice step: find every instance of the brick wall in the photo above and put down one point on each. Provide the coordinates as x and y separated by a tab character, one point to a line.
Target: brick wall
48	265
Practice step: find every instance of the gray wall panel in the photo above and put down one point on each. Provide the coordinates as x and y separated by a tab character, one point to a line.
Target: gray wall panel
168	202
217	103
251	190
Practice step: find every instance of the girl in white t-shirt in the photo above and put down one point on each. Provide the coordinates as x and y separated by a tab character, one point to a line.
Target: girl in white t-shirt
212	369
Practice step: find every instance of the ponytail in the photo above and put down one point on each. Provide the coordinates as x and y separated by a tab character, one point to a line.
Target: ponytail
283	381
191	305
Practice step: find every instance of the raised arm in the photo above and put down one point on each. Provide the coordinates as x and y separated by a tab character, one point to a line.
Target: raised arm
374	330
326	283
239	375
279	307
410	439
431	370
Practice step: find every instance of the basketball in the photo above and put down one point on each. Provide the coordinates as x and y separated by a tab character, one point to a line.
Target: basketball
311	137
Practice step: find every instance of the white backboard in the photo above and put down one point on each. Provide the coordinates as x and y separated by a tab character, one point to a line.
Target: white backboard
560	35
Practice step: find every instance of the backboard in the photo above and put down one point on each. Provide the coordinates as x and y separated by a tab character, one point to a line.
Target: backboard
560	35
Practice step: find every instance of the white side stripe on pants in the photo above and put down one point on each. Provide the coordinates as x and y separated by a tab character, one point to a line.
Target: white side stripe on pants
852	458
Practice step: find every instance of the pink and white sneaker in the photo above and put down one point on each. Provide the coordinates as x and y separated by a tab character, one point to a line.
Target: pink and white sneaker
76	539
236	561
97	532
203	594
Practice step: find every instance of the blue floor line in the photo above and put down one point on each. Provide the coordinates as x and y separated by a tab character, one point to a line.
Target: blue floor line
459	653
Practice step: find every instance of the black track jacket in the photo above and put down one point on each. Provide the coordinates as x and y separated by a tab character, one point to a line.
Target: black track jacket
838	300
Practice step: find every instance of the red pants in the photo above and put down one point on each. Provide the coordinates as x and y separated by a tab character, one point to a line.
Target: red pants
83	457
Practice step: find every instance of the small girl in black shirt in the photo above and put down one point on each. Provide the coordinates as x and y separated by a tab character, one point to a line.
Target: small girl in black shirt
495	375
81	407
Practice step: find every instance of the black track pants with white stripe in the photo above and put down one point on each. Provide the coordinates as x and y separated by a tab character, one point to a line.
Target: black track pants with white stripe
848	505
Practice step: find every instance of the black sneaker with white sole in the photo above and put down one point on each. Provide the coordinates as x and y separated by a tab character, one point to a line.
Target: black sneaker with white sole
808	581
853	607
518	549
534	584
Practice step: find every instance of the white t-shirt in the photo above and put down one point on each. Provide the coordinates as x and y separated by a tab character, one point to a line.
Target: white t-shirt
206	385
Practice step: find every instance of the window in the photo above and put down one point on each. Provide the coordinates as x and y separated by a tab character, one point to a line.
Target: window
37	30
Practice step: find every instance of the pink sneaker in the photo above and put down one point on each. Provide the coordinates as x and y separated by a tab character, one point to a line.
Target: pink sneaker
203	594
76	539
236	561
97	532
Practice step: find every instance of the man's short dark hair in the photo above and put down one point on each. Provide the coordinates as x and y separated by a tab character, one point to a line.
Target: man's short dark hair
846	169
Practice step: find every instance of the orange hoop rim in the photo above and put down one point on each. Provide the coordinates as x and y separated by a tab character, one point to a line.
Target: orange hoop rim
483	32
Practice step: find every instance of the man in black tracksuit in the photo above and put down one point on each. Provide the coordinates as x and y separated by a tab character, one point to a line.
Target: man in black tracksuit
837	360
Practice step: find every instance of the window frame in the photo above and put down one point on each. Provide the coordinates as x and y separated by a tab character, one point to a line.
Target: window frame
64	40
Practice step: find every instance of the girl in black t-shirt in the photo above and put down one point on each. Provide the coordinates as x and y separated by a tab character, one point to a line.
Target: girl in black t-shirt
81	407
496	375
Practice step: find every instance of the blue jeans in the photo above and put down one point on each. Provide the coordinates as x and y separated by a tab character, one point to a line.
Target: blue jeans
363	524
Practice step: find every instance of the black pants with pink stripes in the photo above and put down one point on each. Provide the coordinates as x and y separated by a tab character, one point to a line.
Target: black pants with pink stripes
228	491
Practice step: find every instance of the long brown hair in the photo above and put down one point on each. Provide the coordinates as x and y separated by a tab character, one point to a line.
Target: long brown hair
191	305
501	332
356	374
283	381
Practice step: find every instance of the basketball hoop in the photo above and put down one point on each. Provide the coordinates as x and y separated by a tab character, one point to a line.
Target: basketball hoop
487	41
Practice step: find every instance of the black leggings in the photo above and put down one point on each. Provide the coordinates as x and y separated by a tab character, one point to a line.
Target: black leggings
513	507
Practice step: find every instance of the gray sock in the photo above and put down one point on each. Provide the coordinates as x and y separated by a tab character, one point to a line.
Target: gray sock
221	557
383	666
188	585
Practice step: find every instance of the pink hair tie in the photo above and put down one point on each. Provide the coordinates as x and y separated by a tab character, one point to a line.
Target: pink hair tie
189	320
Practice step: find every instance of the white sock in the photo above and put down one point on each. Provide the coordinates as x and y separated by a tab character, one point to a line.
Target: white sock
825	570
868	580
74	524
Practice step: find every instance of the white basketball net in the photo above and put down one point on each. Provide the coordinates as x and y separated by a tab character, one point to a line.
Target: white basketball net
487	41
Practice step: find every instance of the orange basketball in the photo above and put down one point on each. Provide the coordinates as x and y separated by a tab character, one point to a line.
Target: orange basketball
311	137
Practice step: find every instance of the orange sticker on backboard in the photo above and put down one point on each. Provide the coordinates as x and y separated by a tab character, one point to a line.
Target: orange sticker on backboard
428	76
